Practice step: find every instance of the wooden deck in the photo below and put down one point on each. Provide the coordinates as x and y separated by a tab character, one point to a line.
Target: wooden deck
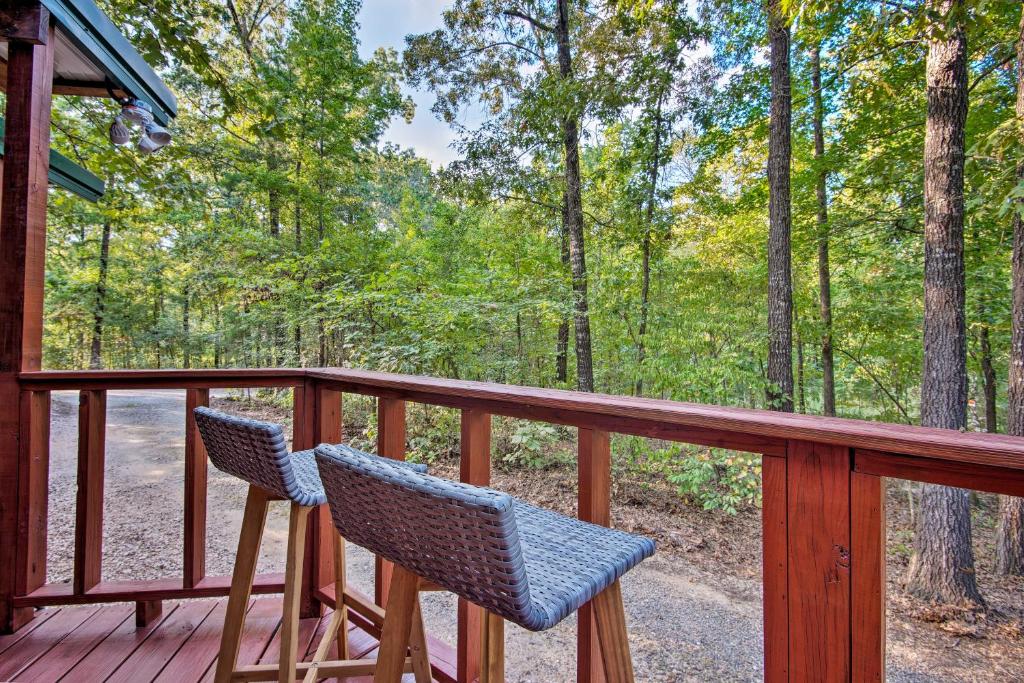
102	643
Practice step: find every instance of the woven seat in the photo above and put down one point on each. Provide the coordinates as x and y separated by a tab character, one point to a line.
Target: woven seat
531	566
257	452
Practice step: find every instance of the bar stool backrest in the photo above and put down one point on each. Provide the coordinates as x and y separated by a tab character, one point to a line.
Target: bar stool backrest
251	450
461	537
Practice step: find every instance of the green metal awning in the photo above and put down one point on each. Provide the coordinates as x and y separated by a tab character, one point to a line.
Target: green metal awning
92	57
67	174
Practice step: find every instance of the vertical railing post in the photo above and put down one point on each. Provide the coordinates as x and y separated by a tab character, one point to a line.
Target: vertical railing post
30	48
775	567
390	444
194	561
92	425
594	477
327	429
821	561
867	496
34	490
474	468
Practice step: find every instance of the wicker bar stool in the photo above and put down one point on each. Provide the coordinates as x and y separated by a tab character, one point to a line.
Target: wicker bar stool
256	452
531	566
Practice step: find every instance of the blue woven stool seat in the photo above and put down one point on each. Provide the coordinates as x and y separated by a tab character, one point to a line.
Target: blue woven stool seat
531	566
568	562
256	452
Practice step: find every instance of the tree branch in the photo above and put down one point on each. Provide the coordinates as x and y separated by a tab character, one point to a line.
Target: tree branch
526	17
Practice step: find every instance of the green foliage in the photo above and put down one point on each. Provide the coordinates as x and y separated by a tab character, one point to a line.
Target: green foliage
279	229
717	479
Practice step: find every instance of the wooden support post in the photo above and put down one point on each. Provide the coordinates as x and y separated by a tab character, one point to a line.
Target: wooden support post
195	491
328	429
22	259
819	561
474	468
390	444
92	427
594	478
867	495
34	489
775	559
304	433
147	611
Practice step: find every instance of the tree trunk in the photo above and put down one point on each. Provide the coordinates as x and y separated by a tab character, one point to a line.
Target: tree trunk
96	352
828	373
1010	528
572	211
562	348
645	283
988	374
942	566
186	357
780	284
273	196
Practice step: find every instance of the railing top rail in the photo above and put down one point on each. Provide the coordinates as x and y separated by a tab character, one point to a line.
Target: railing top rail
574	407
761	431
198	378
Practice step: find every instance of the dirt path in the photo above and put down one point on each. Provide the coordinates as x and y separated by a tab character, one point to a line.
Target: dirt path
685	625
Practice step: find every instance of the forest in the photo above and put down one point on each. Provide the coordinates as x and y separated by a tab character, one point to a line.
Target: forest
798	206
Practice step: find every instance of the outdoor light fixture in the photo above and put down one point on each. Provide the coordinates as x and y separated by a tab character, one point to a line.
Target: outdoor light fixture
119	133
138	113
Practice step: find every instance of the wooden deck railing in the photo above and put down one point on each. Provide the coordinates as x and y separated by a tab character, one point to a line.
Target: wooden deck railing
823	500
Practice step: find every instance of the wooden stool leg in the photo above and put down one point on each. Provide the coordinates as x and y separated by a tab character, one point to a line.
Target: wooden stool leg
394	639
492	646
611	633
292	587
241	581
339	595
418	645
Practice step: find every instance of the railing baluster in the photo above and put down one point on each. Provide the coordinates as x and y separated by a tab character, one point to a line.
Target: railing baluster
92	424
474	468
867	510
31	573
390	444
594	477
328	429
195	491
775	568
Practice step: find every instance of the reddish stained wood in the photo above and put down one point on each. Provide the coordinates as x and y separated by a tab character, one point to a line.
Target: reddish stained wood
196	474
65	654
108	655
37	643
23	184
964	475
993	449
150	658
867	563
25	21
92	427
7	641
196	378
774	510
199	650
261	622
818	526
390	444
149	589
594	476
33	490
474	468
147	611
328	429
304	435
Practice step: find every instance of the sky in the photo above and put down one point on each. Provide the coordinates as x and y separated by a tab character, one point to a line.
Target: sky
385	23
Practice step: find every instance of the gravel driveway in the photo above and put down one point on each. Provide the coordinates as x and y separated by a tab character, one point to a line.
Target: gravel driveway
684	626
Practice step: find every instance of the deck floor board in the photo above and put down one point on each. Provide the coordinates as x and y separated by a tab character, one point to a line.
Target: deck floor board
99	643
